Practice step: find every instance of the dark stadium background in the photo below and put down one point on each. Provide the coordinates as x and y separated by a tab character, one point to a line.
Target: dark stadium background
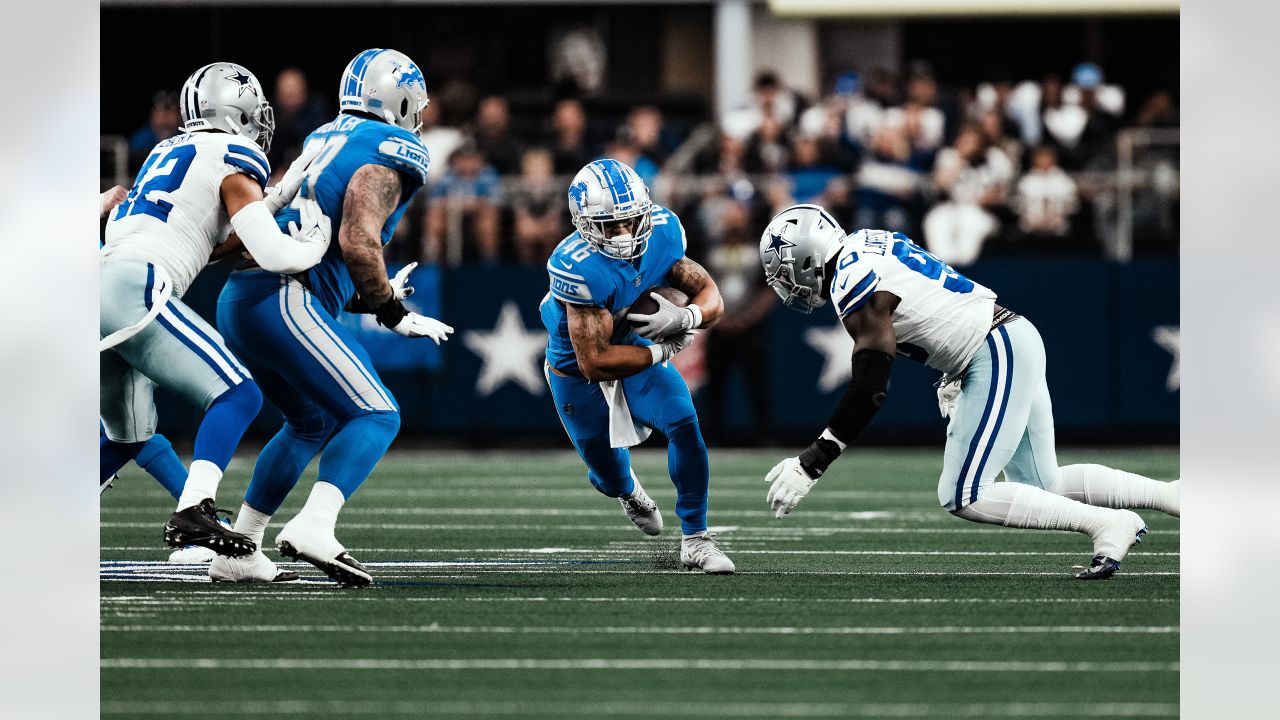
1098	315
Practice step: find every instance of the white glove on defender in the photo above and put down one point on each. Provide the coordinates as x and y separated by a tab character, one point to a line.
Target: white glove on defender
399	290
790	483
279	196
667	320
414	325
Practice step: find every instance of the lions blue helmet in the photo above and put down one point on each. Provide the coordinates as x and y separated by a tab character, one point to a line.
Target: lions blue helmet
386	84
610	206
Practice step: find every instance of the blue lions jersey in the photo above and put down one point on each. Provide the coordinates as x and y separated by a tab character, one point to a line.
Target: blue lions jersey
349	143
582	275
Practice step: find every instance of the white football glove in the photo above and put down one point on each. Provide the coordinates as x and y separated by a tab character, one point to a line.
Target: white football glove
279	196
789	483
673	345
312	226
414	325
667	320
948	396
399	290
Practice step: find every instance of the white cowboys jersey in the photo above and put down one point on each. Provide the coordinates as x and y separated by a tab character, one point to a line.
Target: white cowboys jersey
173	216
942	317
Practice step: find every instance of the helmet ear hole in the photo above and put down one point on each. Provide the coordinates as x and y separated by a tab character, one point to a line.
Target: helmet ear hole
244	119
808	263
404	107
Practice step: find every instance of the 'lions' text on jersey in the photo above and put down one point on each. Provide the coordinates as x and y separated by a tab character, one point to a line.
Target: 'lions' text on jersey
942	317
349	143
582	275
174	216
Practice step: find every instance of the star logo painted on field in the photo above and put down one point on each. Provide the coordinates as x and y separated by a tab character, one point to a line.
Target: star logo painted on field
245	81
508	353
777	244
1168	337
836	347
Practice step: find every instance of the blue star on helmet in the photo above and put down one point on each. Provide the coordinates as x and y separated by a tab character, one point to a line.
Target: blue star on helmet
245	81
409	75
777	244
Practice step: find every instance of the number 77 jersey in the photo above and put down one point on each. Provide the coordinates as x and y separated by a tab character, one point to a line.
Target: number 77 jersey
943	316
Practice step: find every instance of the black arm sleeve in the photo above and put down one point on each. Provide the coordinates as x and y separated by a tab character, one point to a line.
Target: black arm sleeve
864	396
358	306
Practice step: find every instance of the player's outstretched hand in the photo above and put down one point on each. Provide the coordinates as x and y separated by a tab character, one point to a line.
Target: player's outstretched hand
789	483
399	290
420	326
112	198
667	320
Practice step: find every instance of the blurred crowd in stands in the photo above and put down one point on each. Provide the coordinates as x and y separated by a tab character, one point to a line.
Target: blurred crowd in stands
1025	165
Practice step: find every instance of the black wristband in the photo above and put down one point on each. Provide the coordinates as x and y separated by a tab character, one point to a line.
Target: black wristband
390	313
358	306
866	393
818	457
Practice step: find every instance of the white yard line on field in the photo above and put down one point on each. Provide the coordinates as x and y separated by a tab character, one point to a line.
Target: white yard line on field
689	709
639	664
238	595
436	628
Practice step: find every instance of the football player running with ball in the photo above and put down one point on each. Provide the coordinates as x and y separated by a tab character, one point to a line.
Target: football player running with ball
610	376
893	297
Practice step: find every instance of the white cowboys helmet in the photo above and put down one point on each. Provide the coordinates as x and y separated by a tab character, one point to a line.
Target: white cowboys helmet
386	84
795	248
605	194
225	96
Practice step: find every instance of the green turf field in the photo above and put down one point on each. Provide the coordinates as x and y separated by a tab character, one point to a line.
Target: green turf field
507	587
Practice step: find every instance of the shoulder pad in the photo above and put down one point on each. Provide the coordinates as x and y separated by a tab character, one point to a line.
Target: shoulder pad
249	159
667	224
853	282
403	151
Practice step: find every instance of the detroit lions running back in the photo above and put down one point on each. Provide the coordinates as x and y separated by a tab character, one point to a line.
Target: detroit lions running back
368	163
610	380
894	297
192	189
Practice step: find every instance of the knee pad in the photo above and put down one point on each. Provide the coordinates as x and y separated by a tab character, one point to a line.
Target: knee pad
686	432
382	423
245	397
317	426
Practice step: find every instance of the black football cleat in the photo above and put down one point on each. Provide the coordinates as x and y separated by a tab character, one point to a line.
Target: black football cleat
1102	568
343	568
198	525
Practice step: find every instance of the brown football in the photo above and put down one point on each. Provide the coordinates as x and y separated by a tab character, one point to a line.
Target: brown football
645	305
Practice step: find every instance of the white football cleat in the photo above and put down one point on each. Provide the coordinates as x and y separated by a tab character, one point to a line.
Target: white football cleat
304	539
255	567
1175	488
642	510
1122	533
699	551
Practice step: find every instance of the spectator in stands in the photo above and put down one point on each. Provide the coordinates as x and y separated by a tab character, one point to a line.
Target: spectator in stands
887	182
462	217
770	100
296	114
1159	111
809	173
440	140
993	133
624	149
569	145
162	124
767	148
974	177
493	136
1046	198
741	338
644	125
538	208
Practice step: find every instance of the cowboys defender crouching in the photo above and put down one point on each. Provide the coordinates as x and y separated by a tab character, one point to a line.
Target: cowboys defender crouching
894	297
610	380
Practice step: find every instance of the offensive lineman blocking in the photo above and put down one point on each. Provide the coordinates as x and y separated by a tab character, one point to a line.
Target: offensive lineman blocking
892	296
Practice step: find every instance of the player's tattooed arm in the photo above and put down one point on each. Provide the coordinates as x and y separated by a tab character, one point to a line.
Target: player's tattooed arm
590	328
694	280
371	197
